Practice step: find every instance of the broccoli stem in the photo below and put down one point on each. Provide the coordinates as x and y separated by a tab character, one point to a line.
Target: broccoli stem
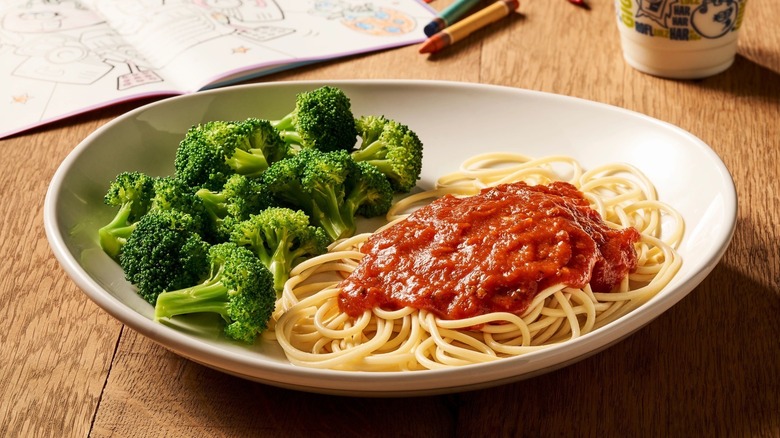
215	203
369	152
211	296
280	267
281	262
291	137
353	201
115	233
384	166
330	217
285	123
248	163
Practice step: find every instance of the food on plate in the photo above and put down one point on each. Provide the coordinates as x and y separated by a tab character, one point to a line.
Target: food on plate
331	188
237	200
281	238
393	148
237	287
365	306
280	191
167	252
503	257
321	119
213	151
131	193
461	257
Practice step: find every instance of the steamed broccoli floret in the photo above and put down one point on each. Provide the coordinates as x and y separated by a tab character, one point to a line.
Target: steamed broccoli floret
258	145
171	193
238	287
199	162
239	198
211	152
132	192
329	187
369	192
393	148
322	119
165	252
281	238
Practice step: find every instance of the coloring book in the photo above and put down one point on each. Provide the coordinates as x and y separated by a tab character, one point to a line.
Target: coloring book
64	57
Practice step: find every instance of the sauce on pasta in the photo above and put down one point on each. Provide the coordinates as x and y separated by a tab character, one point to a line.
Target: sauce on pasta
460	257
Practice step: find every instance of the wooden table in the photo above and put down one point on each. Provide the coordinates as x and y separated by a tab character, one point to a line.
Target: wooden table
707	367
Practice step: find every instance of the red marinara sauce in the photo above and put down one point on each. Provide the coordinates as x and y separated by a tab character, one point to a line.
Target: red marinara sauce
493	252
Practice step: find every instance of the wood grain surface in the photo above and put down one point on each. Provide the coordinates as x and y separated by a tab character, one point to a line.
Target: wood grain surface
707	367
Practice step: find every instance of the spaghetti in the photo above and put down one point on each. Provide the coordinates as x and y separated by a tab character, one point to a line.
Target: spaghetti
314	332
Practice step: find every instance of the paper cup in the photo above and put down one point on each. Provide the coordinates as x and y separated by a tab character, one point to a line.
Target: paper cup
679	39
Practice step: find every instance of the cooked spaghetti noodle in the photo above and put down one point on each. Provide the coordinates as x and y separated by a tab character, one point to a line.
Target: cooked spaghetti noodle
314	332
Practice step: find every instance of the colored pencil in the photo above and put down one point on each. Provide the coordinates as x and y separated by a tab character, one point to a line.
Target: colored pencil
460	30
449	15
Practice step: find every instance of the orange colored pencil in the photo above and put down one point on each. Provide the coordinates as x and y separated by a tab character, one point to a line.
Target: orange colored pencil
469	25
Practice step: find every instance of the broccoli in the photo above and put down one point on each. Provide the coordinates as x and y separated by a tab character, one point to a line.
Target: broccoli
234	202
393	148
211	152
370	193
164	252
259	145
329	187
132	192
170	193
281	238
322	119
238	287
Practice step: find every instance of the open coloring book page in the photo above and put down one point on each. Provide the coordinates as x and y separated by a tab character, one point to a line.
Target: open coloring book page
63	57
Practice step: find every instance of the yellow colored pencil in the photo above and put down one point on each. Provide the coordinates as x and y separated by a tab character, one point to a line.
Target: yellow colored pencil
469	25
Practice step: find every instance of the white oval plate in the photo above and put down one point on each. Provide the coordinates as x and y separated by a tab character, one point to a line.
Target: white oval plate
455	121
